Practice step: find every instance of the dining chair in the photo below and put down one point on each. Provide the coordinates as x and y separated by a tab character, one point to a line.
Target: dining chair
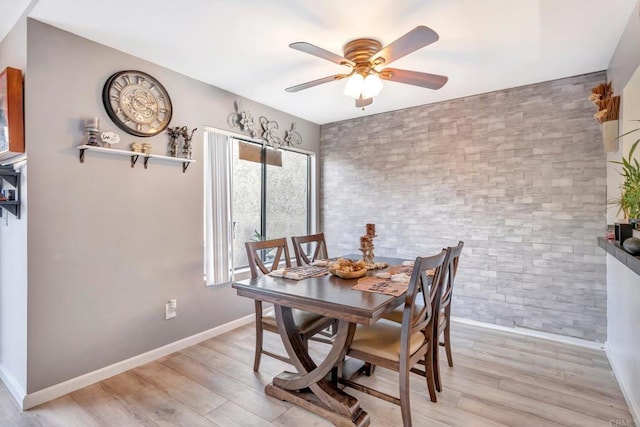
444	316
443	324
308	324
318	248
400	346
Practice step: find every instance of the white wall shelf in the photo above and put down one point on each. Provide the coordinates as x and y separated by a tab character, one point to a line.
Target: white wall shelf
13	178
133	155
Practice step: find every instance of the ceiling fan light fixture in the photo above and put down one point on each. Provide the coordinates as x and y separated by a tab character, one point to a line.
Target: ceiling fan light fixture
354	86
372	86
368	62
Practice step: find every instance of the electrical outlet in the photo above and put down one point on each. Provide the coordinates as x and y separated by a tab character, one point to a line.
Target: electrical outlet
170	309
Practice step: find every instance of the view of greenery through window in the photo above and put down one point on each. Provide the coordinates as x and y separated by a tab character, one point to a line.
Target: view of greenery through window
286	196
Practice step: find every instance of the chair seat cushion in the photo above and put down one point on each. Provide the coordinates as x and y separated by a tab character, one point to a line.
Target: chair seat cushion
304	320
382	339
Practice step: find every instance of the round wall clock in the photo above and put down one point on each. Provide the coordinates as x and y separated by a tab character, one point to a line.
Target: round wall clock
137	103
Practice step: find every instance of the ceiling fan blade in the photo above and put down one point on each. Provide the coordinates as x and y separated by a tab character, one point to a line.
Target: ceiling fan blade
415	39
320	53
431	81
317	82
363	102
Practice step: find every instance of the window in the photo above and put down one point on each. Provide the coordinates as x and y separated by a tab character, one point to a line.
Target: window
270	195
252	192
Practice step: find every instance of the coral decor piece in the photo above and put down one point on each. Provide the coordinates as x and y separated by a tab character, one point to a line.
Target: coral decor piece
608	105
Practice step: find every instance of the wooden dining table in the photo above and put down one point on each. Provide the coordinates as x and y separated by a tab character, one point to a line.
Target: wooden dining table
312	387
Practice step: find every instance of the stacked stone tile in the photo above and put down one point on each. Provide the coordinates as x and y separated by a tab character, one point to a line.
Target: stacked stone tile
518	174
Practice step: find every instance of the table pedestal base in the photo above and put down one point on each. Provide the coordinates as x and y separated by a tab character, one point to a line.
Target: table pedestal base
311	402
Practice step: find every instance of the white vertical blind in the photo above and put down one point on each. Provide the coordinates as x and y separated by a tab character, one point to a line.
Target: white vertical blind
218	222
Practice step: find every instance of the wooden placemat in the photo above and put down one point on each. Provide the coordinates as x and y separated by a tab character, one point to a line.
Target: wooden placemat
381	286
305	271
397	269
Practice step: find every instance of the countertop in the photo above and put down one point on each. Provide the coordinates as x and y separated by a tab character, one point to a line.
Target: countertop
616	249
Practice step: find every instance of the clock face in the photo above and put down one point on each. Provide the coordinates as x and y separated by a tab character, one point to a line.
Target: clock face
137	103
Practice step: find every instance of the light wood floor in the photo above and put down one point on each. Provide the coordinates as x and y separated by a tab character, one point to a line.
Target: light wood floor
498	379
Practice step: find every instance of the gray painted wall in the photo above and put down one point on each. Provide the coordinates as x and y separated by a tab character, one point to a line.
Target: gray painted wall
519	175
108	244
13	251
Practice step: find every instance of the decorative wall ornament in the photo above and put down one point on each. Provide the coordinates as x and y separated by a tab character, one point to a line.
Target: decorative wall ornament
292	137
244	121
270	132
174	135
186	146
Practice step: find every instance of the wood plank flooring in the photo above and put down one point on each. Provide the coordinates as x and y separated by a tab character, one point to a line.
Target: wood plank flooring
499	379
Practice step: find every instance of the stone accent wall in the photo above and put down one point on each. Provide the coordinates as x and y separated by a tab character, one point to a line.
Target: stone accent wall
519	175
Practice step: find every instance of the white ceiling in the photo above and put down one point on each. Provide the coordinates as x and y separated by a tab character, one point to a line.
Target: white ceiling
242	45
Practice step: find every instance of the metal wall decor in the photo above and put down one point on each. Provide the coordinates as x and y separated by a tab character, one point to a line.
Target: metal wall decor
292	137
175	134
186	145
270	132
244	121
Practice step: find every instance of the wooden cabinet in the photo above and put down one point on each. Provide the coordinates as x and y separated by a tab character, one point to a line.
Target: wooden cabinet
11	113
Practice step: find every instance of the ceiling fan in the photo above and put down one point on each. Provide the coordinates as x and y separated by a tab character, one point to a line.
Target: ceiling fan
365	56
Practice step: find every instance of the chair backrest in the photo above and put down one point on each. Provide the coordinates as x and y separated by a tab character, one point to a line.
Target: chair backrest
419	317
319	251
255	249
452	268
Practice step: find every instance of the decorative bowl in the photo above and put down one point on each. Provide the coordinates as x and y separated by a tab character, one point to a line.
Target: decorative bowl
348	274
632	245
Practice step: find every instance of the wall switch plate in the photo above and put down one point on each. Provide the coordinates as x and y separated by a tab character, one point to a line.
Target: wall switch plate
170	309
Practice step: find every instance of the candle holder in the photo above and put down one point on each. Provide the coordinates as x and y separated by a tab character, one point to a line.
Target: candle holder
371	230
366	247
92	128
93	136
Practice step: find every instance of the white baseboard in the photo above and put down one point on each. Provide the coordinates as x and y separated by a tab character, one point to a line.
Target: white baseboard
17	391
632	402
532	333
55	391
